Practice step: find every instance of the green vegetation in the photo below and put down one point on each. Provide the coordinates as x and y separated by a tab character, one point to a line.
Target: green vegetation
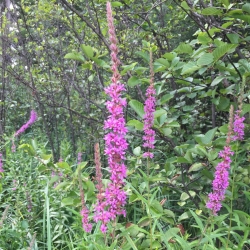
55	59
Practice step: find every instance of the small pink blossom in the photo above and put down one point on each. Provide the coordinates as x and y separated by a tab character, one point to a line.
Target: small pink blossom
221	181
85	221
238	126
149	133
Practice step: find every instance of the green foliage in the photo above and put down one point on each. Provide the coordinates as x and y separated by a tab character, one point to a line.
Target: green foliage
58	63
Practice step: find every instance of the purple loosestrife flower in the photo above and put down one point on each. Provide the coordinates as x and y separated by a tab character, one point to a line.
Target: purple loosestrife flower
149	109
220	182
115	143
33	118
238	126
85	221
84	211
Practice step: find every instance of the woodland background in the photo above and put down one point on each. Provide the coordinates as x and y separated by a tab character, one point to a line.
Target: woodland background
54	58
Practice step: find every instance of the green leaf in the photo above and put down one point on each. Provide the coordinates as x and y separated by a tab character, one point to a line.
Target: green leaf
65	166
203	38
185	196
181	160
159	113
133	81
135	123
175	61
126	68
201	150
163	61
208	174
75	56
226	25
183	216
246	7
79	168
207	138
100	62
144	221
87	50
137	151
166	131
169	213
246	108
173	124
224	103
205	59
196	167
234	38
184	5
60	185
222	50
144	55
116	4
169	56
67	201
245	18
137	107
28	149
188	108
184	48
198	220
156	207
166	98
89	187
189	68
217	80
225	2
131	242
210	11
172	232
224	128
24	224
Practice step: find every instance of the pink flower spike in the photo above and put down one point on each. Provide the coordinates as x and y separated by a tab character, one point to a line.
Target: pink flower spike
33	118
238	126
221	181
111	202
148	119
85	221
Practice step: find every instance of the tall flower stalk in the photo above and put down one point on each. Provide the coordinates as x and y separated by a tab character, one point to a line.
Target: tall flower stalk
221	179
115	142
87	226
238	126
149	109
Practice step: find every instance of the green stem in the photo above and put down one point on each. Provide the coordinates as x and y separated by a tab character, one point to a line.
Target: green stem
231	202
149	214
